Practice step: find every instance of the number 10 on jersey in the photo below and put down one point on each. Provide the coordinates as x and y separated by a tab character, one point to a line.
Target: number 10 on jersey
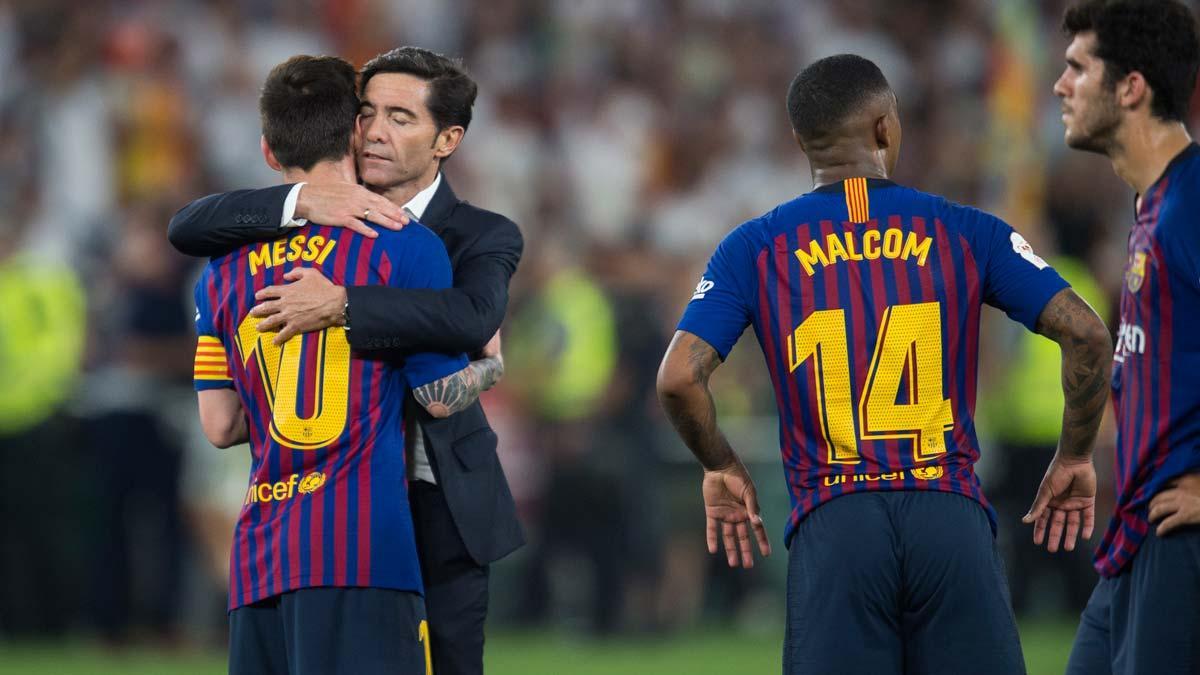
908	354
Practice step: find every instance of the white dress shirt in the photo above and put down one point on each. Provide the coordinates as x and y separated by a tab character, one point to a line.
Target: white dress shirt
418	459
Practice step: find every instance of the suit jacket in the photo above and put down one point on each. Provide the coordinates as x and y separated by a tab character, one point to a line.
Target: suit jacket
484	249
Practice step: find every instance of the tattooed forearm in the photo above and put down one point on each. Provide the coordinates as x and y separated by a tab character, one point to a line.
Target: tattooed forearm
453	393
684	394
1086	368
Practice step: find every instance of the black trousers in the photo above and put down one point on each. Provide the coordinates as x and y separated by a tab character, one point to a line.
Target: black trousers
456	587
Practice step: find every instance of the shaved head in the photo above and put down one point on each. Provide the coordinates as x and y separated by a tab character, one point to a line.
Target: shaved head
834	92
844	114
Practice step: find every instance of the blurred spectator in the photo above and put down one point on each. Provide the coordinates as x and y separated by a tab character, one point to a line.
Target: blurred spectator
141	355
41	347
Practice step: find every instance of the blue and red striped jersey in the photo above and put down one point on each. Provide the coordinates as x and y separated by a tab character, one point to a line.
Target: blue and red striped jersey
865	296
1158	343
327	501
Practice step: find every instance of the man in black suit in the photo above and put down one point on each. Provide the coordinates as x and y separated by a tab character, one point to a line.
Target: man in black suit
415	109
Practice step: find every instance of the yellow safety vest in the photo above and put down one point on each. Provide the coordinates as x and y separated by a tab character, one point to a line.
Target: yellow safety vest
42	326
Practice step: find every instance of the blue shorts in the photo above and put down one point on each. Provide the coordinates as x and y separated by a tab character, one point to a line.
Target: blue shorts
898	582
318	631
1147	619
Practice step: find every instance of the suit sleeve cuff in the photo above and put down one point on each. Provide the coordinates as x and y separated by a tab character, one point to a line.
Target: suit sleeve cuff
289	209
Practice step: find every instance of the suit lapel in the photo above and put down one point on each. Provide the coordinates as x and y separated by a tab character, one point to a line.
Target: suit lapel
440	207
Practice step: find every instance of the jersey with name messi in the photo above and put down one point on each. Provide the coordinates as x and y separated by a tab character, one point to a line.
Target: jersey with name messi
865	297
326	503
1154	389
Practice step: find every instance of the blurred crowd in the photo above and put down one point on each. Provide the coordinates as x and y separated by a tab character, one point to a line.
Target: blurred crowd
625	137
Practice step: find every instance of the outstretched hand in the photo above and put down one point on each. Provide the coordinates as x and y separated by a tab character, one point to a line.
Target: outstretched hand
1065	503
731	511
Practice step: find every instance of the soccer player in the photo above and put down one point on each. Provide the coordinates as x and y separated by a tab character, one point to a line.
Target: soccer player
1130	73
415	110
324	575
865	297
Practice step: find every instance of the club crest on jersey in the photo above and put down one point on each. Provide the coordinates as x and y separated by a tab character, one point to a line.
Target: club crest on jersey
1137	272
312	482
927	472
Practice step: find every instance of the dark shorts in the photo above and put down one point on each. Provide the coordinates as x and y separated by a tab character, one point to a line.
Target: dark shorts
898	582
1147	620
328	631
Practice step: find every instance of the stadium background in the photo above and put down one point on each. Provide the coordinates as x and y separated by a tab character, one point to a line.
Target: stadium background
625	137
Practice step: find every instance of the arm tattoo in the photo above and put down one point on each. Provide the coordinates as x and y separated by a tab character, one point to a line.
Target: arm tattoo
703	359
1086	368
685	396
455	392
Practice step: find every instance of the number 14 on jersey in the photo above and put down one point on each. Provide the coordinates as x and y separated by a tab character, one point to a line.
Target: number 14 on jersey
908	354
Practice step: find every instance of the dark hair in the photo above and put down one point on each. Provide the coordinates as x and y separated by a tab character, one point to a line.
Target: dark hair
1157	38
451	90
829	90
308	106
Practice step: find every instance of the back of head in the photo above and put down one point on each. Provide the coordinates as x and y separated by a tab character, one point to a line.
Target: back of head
451	90
1156	38
826	94
308	106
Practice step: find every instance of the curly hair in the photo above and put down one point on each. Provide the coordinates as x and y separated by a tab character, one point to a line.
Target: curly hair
1156	38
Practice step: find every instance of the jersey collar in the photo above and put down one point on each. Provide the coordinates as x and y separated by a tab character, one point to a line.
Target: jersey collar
840	185
1153	193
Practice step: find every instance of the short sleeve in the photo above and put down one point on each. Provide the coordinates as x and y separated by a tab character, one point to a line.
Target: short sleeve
721	306
421	261
211	368
1015	279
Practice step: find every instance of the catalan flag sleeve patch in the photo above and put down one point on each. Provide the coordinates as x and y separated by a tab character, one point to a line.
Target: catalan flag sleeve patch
212	367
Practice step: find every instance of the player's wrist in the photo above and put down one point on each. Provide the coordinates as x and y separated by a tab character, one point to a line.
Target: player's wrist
724	464
1061	457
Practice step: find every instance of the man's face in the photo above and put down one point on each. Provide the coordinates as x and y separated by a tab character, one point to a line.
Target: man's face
1089	107
396	133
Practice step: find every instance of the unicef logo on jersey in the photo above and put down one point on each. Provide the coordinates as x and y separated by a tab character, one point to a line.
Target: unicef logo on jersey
702	288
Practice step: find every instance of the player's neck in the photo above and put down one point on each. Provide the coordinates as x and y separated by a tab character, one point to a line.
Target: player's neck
834	168
332	171
1143	151
404	192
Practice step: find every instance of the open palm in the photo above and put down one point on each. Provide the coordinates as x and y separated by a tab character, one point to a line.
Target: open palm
731	507
1065	503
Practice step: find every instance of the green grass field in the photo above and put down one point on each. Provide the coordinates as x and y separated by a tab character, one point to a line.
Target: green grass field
526	653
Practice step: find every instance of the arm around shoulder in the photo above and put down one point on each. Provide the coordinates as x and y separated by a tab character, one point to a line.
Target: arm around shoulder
217	224
458	319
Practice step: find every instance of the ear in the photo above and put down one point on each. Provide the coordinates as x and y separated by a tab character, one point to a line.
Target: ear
1133	91
356	135
447	140
269	156
883	132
